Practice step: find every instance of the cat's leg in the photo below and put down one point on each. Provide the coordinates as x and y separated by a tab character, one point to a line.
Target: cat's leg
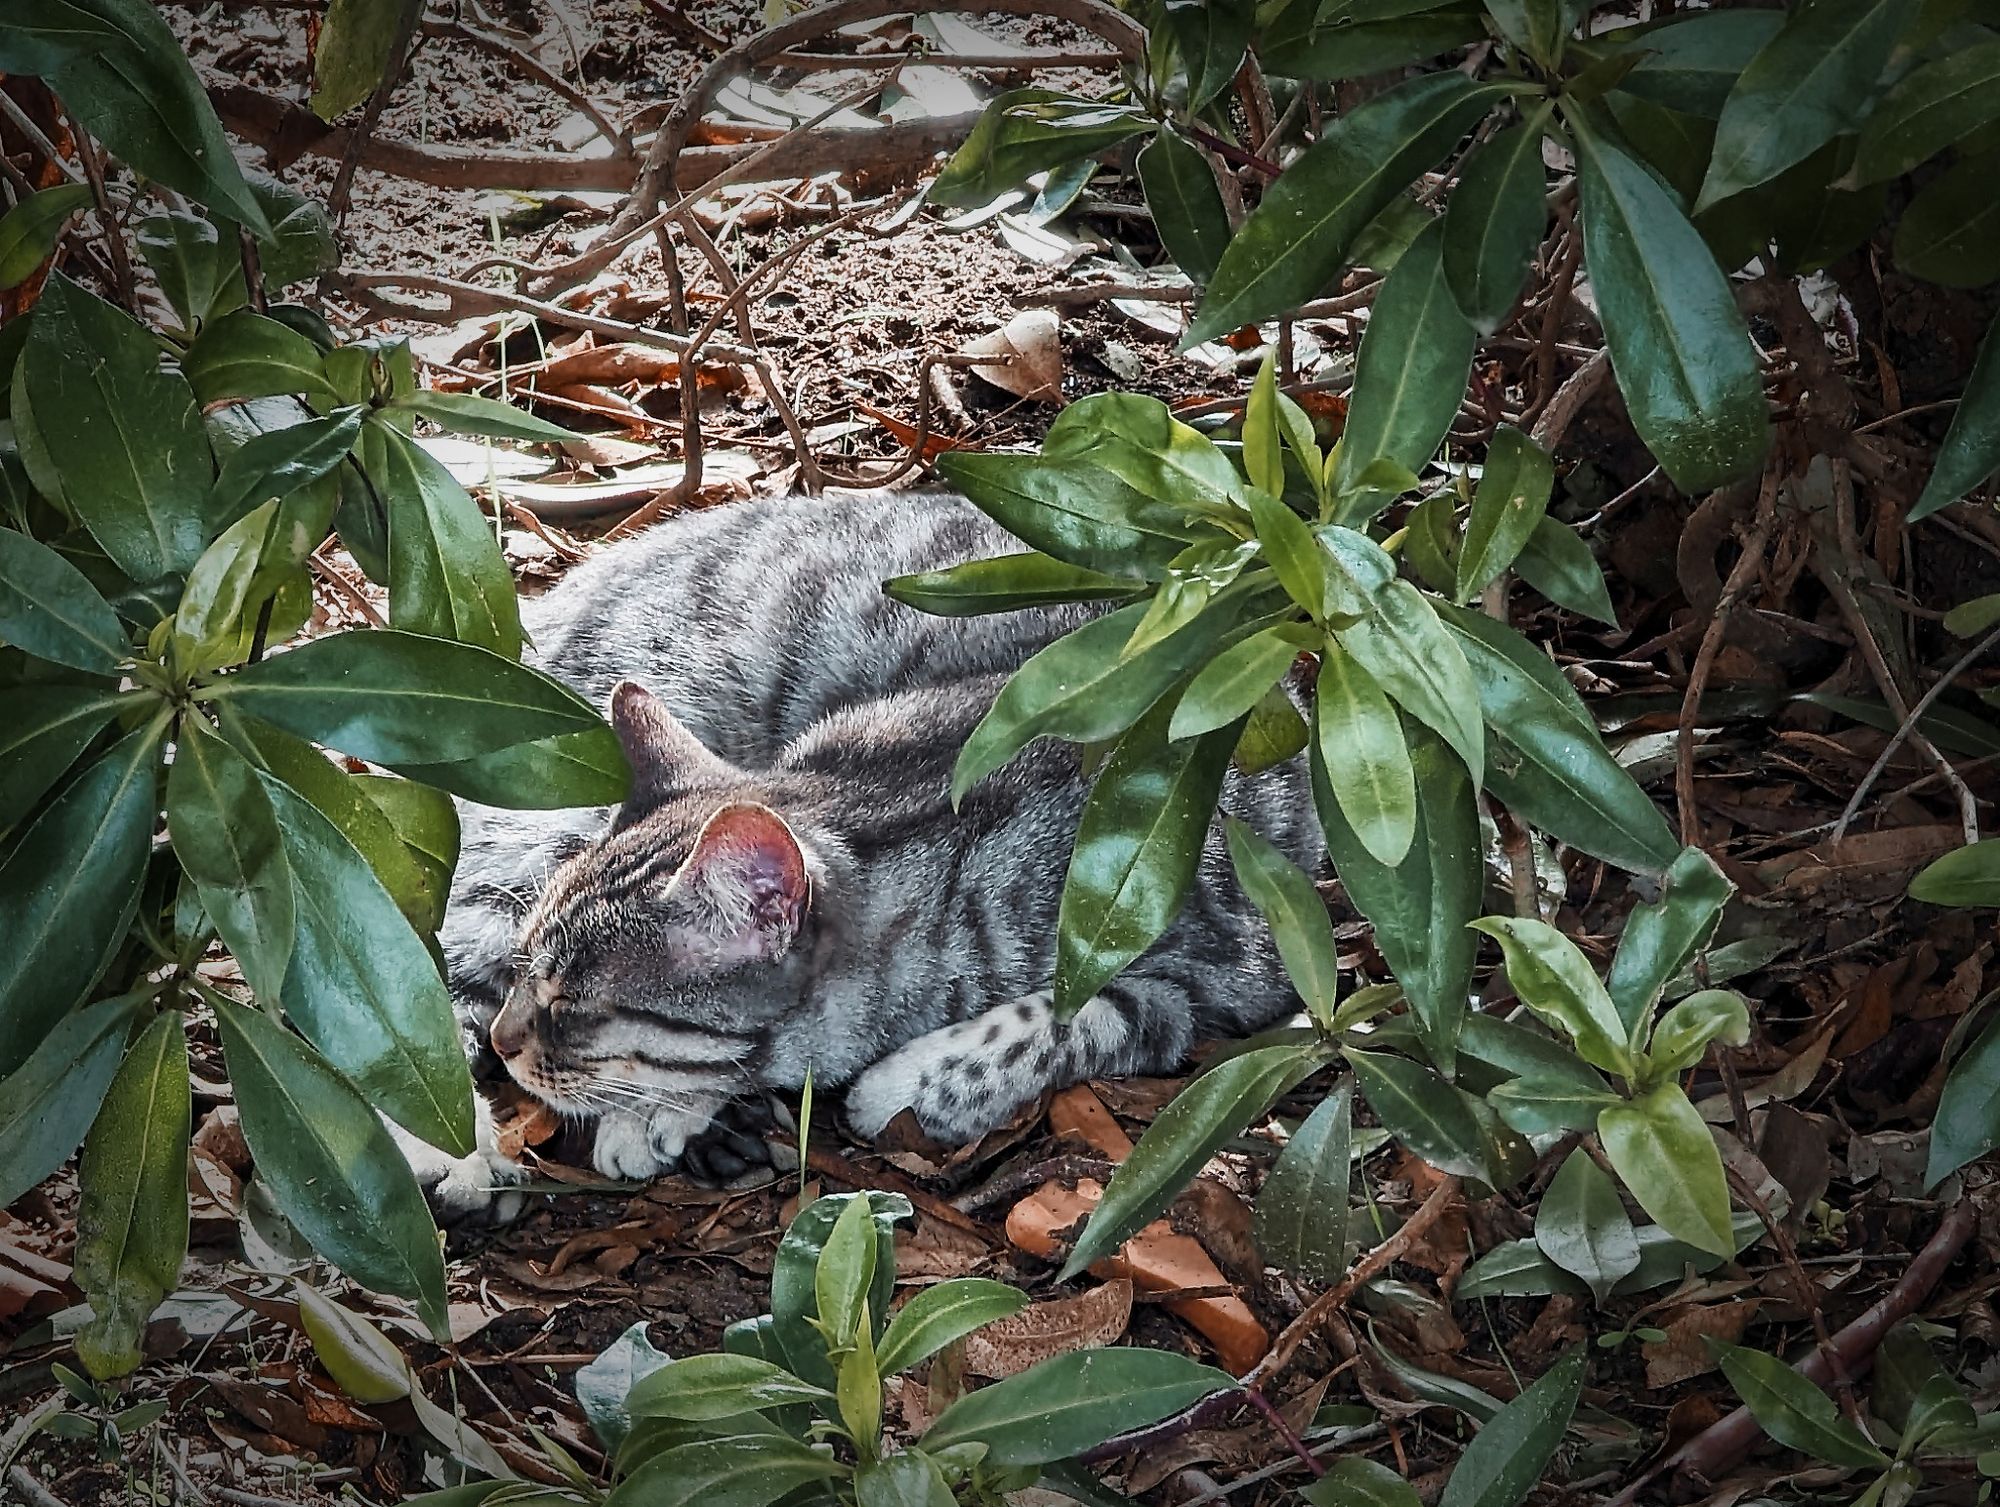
966	1079
469	1191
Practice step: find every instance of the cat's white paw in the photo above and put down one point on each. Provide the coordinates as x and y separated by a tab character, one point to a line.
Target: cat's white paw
470	1190
637	1149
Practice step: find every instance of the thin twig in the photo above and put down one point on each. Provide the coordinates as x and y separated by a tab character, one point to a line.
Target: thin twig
38	138
114	233
1053	1169
998	62
33	1492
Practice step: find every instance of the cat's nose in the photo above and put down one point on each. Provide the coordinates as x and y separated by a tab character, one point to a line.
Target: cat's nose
512	1027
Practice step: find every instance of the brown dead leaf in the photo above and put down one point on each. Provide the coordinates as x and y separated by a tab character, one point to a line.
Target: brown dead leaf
935	1250
1041	1331
1220	1221
274	1412
529	1123
1684	1353
1027	353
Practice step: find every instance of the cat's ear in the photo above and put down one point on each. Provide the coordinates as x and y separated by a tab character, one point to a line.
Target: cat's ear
665	757
747	883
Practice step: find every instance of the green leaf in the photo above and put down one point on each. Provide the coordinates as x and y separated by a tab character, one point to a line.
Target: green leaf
1288	544
362	987
1947	233
123	433
467	413
1561	567
1003	584
1582	1226
1511	503
29	231
1693	60
1663	1150
703	1388
1662	938
227	584
1075	510
447	576
749	1471
227	839
426	823
1421	907
602	1385
1300	235
1811	82
1290	903
1678	344
280	462
1518	1268
1065	1405
1263	448
1557	982
1971	449
50	1100
1029	131
1792	1410
362	1360
1301	1215
1930	107
69	886
199	274
1495	222
1410	375
1366	758
1512	1449
1439	1121
1535	1105
249	355
1968	876
132	1223
1138	440
352	53
844	1273
1274	733
1180	188
403	698
331	1165
1343	42
1233	682
1685	1031
1211	36
1138	845
1357	1481
1967	1122
908	1479
49	609
42	40
937	1316
1213	1107
587	768
794	1298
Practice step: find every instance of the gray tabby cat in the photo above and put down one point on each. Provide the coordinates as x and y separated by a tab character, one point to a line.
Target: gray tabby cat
787	887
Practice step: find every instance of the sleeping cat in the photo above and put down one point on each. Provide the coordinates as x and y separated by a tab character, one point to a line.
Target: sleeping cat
787	888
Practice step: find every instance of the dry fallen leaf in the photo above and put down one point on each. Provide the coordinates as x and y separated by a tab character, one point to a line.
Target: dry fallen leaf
1684	1352
1028	352
1041	1331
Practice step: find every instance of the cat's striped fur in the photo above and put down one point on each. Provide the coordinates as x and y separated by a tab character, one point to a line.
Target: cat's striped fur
789	889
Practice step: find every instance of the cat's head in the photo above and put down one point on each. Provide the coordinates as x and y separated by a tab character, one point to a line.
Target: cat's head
660	959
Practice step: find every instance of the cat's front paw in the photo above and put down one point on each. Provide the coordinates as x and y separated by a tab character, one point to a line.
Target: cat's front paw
475	1191
732	1144
637	1148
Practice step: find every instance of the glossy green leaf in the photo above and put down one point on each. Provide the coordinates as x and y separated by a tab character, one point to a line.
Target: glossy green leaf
352	53
1971	449
1180	188
1301	1214
245	354
132	1222
331	1164
1211	37
279	462
1357	1481
49	609
908	1479
585	768
1662	1150
1274	733
846	1269
1229	685
1967	1122
1210	1110
1495	222
426	823
1003	584
1440	1122
1074	510
1662	938
1367	760
1947	234
1792	1410
1263	445
69	886
1065	1405
1138	440
1559	984
29	231
1288	544
200	274
51	1099
1512	1449
750	1471
228	584
468	413
1692	60
1511	502
1522	1048
1535	1105
1968	876
1138	846
1029	131
1299	236
42	40
1930	107
1582	1226
794	1296
1410	374
227	839
1518	1268
447	576
602	1385
936	1316
1678	343
1291	905
703	1388
1538	27
1561	567
1684	1032
1343	46
362	1360
1813	81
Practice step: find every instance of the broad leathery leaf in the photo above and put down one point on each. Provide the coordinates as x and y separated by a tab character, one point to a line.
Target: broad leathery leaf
1522	1048
1263	446
1366	758
1070	507
1398	639
1409	376
199	274
1557	982
29	231
1678	343
1357	1481
69	886
132	1222
362	987
1028	131
1968	876
937	1316
123	433
1538	27
1181	192
227	586
794	1300
703	1388
1811	82
1421	908
585	768
1518	1268
1967	1122
334	1170
51	1099
1929	108
842	1278
1971	449
1343	41
601	1386
468	413
858	1394
1971	618
1535	1105
49	609
1511	502
1300	235
227	839
1495	222
352	53
1287	542
908	1479
1003	584
1291	905
747	1471
1685	1031
1792	1410
360	1358
1211	36
1561	567
1946	235
42	40
280	462
1692	61
1662	1149
1232	683
1508	1455
1210	1110
1301	1215
1066	1405
447	576
1273	733
404	698
1582	1226
1546	761
1439	1121
426	822
1138	440
245	354
1662	938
